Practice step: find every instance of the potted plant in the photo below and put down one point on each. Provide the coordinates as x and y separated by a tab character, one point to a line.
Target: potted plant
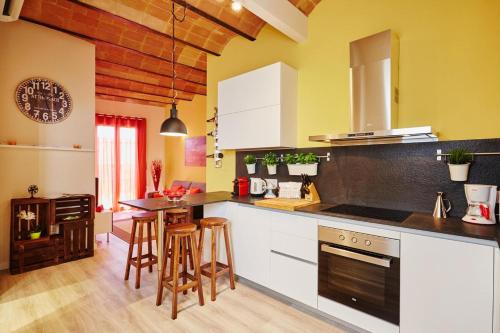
250	161
35	230
459	162
271	160
302	163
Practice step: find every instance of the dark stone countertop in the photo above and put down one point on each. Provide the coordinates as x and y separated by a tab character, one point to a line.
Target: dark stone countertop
417	221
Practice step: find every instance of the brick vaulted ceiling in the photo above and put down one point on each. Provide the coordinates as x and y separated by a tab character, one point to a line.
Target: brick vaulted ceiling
132	40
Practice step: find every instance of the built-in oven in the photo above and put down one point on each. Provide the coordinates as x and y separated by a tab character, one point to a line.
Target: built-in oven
360	271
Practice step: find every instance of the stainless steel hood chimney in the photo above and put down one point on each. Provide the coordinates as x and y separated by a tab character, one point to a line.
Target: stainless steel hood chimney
374	82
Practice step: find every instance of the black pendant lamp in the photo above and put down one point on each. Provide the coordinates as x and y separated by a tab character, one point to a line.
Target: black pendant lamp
173	126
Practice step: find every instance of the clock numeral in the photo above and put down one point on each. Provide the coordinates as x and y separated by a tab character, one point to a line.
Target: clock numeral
27	106
45	116
29	90
55	89
36	113
61	95
54	115
36	85
45	85
24	97
61	111
65	103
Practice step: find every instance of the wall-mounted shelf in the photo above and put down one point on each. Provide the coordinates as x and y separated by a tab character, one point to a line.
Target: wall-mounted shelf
47	148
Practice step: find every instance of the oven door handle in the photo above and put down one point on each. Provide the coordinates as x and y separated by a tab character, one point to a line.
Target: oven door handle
385	262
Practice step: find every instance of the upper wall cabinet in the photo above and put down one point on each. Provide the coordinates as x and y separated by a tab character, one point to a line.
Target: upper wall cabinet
258	109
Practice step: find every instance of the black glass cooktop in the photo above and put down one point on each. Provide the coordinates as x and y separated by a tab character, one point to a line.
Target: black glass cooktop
370	212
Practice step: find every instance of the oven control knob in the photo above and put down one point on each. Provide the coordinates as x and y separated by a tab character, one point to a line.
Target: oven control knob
368	243
341	237
354	240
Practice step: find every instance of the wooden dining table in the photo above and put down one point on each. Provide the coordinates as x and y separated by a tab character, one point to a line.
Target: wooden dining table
160	205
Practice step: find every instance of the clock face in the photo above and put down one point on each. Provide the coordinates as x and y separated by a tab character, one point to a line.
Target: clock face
43	100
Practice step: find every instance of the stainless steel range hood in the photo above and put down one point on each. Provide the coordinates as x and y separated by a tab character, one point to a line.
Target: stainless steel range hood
374	82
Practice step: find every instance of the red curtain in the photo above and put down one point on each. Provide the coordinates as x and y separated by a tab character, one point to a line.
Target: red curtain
141	171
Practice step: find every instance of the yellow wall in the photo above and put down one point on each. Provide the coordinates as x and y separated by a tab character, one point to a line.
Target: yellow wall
193	115
29	50
449	67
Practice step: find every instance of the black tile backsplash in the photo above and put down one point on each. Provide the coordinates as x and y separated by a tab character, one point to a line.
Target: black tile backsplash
395	176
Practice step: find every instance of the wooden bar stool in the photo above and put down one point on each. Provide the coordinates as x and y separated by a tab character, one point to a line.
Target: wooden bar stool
214	269
178	215
140	219
177	234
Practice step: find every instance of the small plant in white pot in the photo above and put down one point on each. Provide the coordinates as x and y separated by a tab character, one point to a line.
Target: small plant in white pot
302	163
459	162
250	162
271	160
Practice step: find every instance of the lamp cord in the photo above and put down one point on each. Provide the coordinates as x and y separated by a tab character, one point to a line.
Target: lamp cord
175	18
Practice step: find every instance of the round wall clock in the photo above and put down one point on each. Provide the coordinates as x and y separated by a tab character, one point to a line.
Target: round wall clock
43	100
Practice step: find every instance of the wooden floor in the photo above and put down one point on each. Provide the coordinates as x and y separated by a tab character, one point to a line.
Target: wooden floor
90	295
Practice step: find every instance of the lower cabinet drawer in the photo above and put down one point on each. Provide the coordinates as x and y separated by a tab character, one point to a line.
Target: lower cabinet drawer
294	246
294	278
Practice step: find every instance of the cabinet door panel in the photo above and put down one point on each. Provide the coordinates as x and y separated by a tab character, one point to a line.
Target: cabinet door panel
256	128
250	231
252	90
446	286
294	278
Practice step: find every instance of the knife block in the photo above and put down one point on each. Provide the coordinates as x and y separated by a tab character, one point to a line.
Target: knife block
313	195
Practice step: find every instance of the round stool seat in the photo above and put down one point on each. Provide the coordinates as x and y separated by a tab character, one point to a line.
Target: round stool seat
145	217
213	222
181	228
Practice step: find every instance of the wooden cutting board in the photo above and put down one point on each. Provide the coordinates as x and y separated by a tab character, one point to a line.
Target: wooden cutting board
284	204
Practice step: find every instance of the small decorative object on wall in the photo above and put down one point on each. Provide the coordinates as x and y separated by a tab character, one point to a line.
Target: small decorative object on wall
33	189
43	100
250	161
302	163
195	150
271	160
217	155
156	166
459	161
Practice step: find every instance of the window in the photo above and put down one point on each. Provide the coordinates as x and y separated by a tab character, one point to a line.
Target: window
120	159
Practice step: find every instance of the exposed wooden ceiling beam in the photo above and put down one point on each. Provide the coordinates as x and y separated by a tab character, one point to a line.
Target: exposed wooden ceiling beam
138	92
282	15
107	97
162	34
76	34
214	19
150	72
146	84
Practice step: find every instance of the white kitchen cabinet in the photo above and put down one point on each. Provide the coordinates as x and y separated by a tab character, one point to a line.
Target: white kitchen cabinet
258	109
250	235
295	278
446	286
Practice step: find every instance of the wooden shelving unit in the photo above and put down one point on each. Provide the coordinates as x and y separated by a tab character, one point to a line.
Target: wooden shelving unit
47	148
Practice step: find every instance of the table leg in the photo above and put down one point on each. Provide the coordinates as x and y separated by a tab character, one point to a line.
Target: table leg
159	239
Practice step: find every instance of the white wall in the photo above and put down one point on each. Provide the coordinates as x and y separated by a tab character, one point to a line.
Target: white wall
155	143
29	50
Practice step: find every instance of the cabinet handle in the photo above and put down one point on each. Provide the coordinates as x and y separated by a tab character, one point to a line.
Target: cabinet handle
385	262
294	258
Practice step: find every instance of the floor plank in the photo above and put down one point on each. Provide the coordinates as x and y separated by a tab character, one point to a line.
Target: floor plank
90	295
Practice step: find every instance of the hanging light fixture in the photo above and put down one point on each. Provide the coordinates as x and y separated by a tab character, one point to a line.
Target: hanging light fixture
173	126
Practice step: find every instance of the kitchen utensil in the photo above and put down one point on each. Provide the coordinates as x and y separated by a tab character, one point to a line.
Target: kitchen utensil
257	187
440	208
243	189
283	203
482	201
270	186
